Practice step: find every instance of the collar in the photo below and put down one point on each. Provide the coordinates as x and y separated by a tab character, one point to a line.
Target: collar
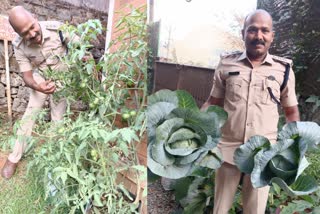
268	58
45	33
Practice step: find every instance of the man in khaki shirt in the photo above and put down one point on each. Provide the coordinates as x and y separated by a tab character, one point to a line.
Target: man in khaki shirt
242	85
36	48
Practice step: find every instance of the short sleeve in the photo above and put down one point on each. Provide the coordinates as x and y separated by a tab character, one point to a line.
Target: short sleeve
22	60
218	88
288	96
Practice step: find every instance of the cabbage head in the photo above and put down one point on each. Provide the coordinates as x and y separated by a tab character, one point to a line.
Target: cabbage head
283	162
180	136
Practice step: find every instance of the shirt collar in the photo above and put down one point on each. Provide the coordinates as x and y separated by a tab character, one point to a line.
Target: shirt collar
268	58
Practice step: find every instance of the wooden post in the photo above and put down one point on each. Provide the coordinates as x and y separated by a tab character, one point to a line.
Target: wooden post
6	57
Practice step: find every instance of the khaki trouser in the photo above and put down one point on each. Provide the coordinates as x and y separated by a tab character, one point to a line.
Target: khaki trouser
36	102
226	182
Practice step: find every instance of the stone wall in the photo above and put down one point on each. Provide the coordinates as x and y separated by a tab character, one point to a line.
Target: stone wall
44	10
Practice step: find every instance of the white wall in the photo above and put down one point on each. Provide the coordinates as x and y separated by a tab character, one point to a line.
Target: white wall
196	32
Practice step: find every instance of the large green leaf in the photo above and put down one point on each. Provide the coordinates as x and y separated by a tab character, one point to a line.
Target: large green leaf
186	100
158	152
211	159
156	114
182	148
183	134
220	114
260	175
244	155
309	132
164	95
169	171
304	185
196	118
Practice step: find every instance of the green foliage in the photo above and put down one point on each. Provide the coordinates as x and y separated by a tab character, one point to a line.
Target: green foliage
82	155
180	136
315	100
195	193
281	163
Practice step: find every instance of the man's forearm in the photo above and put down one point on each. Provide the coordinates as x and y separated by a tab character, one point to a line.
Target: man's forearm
291	113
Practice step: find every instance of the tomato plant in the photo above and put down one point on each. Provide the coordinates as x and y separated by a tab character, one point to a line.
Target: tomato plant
83	154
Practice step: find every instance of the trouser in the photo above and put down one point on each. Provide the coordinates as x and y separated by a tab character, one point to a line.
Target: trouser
36	103
227	179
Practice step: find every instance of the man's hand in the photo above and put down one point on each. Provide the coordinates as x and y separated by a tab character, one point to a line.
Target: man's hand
47	87
212	101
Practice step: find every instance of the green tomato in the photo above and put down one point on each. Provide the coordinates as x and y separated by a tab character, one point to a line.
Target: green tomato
92	105
61	130
93	152
83	85
130	84
125	116
96	101
133	113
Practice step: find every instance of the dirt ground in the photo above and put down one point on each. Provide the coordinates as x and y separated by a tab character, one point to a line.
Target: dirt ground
161	201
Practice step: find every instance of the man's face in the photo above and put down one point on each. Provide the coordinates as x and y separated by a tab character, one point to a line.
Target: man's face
29	29
258	35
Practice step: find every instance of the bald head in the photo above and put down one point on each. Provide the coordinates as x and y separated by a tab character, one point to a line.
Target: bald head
258	34
23	22
257	13
18	14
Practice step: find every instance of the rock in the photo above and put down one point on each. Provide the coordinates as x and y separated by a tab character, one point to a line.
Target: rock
14	91
19	105
3	102
79	106
23	93
15	80
2	91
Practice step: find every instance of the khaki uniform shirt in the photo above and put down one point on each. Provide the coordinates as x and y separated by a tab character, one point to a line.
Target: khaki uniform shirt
30	56
251	111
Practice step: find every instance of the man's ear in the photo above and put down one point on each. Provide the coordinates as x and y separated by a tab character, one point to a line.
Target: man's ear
242	33
273	33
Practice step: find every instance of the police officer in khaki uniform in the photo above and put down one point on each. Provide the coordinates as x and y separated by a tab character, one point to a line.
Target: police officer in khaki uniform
247	85
36	48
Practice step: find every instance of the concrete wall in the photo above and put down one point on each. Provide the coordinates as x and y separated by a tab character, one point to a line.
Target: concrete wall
44	10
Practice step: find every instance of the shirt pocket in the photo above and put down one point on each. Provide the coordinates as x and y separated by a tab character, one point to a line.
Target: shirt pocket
36	60
233	89
275	90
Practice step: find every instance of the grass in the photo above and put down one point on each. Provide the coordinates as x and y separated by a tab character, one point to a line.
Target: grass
20	194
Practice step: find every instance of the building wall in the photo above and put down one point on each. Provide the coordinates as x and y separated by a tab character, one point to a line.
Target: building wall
44	10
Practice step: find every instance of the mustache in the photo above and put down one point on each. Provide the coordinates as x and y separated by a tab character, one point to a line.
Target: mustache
32	38
257	42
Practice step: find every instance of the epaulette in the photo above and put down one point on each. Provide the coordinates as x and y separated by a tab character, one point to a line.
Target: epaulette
229	54
52	25
282	60
17	41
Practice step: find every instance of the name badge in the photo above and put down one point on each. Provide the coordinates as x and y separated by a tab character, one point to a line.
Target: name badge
234	73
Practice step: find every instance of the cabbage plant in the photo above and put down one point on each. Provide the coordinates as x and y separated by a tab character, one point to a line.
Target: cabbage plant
283	162
180	136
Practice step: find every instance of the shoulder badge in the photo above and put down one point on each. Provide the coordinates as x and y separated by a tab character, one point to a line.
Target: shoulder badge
282	60
52	25
229	54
